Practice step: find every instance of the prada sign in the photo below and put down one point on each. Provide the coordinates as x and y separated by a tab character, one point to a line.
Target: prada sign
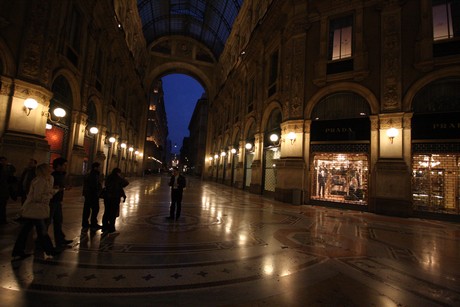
341	130
440	126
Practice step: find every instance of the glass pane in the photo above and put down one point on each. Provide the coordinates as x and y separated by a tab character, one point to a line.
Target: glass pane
340	178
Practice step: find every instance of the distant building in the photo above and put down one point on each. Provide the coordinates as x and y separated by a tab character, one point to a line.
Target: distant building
157	130
198	131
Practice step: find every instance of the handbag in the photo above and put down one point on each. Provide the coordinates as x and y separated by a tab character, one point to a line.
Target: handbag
35	210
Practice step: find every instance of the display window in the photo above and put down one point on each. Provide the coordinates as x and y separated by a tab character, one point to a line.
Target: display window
340	177
435	183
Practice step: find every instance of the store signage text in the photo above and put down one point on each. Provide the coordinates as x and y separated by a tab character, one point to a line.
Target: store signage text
340	130
436	126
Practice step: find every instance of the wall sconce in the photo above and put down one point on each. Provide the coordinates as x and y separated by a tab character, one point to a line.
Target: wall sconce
92	131
291	137
58	112
136	152
216	156
233	151
29	105
210	158
112	140
248	146
131	149
274	138
392	133
223	154
123	145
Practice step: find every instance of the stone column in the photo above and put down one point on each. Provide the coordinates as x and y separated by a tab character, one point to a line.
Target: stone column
391	178
291	166
256	178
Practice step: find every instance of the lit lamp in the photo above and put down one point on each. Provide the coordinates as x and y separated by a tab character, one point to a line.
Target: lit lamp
92	131
58	112
112	140
123	145
223	153
216	156
131	149
274	138
291	137
29	105
392	133
248	146
233	151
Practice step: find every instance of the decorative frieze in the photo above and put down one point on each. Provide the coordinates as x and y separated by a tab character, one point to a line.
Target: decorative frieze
391	60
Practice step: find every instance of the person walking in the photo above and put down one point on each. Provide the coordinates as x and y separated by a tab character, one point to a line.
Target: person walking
92	187
7	182
177	184
56	217
34	212
114	185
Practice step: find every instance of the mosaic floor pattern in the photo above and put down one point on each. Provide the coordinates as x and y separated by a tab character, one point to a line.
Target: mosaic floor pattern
233	248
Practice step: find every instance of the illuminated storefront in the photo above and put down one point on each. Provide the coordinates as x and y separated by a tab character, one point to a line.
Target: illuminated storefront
340	177
436	148
340	149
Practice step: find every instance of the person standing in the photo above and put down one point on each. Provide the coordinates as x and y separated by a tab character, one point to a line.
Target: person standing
34	212
7	180
92	187
177	184
26	178
56	217
114	185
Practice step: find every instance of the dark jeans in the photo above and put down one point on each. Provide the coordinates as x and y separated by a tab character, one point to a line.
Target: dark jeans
56	218
90	207
3	210
42	236
111	211
176	203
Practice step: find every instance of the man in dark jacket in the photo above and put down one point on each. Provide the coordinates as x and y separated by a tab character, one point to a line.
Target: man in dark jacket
114	185
59	175
177	184
92	187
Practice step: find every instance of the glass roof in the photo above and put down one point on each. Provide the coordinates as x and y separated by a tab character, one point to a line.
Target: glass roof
209	22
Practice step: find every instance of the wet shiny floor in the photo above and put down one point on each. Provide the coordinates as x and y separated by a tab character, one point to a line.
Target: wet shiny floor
233	248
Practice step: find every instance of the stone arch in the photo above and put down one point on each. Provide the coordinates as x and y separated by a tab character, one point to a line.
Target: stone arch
267	113
343	87
181	68
74	86
96	99
249	124
427	79
236	136
7	60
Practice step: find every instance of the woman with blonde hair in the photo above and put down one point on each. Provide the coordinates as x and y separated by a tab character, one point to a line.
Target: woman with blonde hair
35	211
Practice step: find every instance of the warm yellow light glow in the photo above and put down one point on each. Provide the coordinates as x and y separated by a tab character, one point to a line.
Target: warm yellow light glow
59	112
248	146
392	133
112	139
93	130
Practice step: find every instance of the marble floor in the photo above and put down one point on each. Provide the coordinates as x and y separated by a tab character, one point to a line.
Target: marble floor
233	248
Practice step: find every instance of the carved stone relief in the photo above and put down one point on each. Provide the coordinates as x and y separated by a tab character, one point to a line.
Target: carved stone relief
35	40
391	62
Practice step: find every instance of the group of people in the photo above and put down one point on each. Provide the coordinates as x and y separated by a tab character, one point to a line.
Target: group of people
41	206
42	192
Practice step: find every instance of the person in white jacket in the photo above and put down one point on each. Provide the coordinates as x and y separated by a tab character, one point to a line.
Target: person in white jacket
34	212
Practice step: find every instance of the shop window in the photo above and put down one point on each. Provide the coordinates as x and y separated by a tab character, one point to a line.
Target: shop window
340	178
446	27
435	183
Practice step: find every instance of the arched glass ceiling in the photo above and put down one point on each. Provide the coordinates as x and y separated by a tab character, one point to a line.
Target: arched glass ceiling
209	22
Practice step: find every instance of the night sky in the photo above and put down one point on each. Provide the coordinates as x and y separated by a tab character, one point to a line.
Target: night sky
181	93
